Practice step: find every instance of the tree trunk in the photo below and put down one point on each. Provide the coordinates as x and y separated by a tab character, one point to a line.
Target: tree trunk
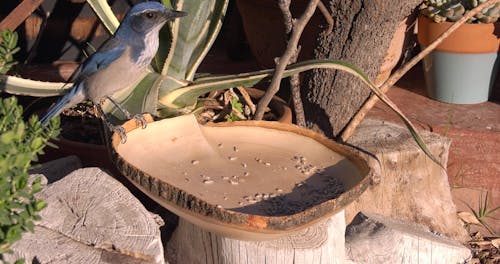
361	35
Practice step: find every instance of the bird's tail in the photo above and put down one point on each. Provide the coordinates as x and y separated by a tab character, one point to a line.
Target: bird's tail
73	97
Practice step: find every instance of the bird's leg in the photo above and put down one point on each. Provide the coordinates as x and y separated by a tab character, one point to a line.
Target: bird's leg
139	119
118	129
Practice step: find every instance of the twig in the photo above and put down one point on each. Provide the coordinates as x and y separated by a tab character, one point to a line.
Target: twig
290	51
298	107
326	14
349	130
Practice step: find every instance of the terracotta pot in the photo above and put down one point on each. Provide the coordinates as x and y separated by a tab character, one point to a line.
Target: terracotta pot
278	105
462	69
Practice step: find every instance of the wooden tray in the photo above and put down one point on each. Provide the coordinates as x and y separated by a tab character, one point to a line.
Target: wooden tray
251	180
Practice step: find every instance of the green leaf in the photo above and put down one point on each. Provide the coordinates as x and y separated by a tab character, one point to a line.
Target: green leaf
40	204
105	14
21	86
186	97
192	37
13	234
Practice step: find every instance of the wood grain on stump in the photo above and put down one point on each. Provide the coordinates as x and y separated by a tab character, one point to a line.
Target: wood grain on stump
320	243
92	218
372	238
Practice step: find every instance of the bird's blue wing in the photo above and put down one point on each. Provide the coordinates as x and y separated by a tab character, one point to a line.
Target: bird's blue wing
107	53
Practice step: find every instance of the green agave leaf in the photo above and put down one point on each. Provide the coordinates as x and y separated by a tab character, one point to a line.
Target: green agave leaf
21	86
105	14
192	37
187	96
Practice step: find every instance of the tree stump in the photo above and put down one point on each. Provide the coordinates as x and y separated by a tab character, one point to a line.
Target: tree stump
376	239
91	218
411	187
321	243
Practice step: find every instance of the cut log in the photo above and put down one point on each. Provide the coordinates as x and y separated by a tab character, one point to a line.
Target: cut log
92	218
373	238
411	186
320	243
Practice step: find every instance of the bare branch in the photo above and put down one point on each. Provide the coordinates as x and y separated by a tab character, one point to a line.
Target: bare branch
290	51
326	14
349	130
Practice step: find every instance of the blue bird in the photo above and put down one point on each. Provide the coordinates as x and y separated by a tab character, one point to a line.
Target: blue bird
118	63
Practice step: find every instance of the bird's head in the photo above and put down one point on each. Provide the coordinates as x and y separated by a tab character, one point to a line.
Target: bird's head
149	16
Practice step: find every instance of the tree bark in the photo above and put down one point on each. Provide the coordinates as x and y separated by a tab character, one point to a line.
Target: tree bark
362	32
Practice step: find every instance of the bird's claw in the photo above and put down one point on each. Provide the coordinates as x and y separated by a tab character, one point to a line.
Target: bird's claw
140	120
121	132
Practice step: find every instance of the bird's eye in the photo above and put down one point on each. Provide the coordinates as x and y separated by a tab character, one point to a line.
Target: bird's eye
149	15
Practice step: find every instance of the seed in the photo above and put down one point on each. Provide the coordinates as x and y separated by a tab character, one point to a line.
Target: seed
265	196
225	198
194	162
187	179
185	173
235	149
240	203
267	164
220	145
233	182
234	177
232	158
279	190
208	181
252	201
258	160
246	173
246	197
272	195
258	195
219	206
243	164
225	178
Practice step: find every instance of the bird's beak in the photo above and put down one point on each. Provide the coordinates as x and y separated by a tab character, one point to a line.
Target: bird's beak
172	14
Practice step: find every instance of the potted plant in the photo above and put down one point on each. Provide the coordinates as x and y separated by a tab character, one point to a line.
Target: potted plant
462	69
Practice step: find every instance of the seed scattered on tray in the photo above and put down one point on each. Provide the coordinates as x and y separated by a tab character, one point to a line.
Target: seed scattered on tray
232	158
194	162
243	164
208	181
233	182
235	149
220	145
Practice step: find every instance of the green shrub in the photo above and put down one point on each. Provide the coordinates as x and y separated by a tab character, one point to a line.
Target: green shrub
20	144
8	47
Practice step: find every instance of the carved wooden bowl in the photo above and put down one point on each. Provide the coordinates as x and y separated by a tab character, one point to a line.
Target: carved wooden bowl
251	180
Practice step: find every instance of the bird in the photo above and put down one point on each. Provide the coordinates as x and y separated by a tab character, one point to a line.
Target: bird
118	63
